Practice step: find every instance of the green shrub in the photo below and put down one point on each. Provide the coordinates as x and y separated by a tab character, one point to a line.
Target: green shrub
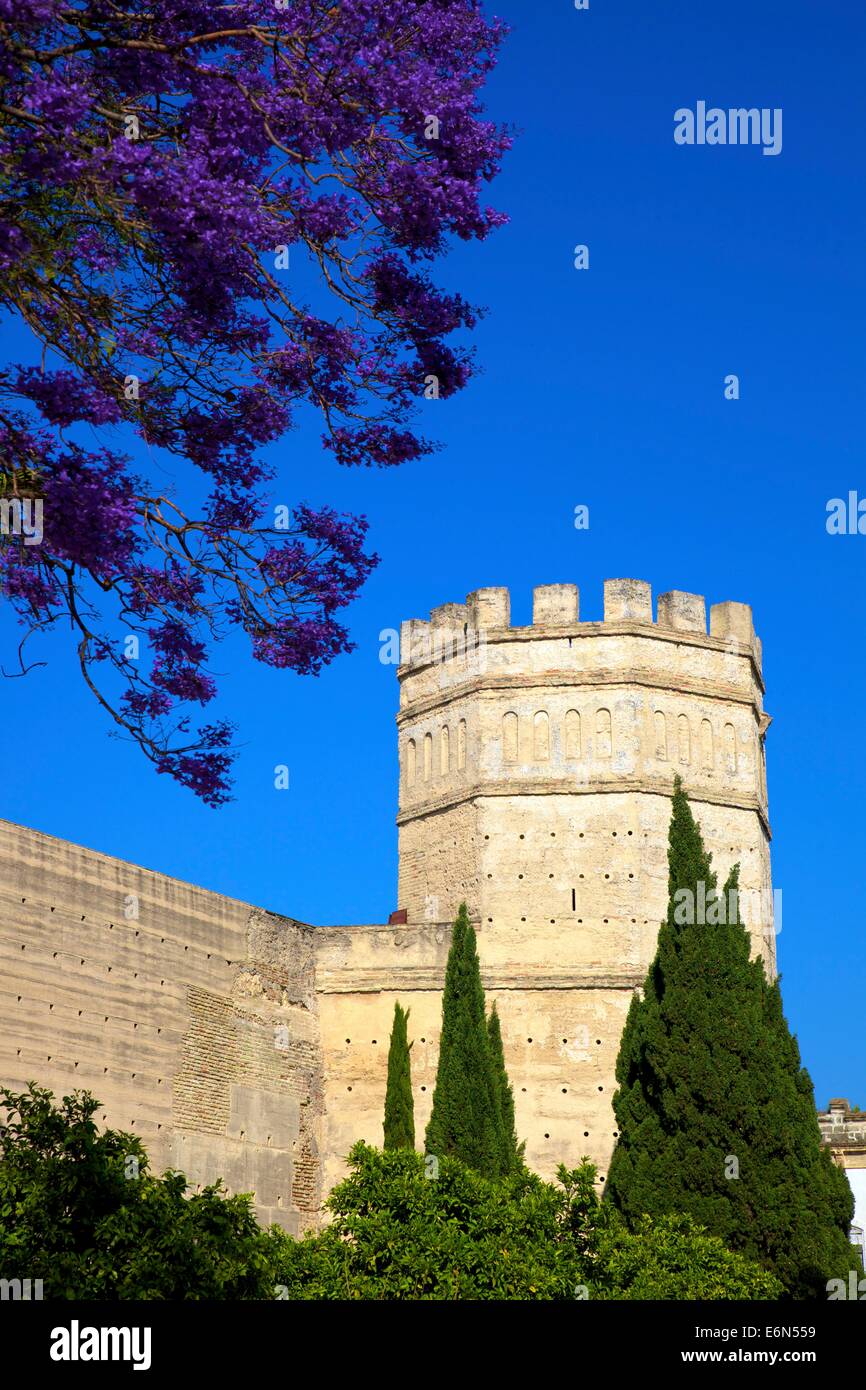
80	1211
403	1229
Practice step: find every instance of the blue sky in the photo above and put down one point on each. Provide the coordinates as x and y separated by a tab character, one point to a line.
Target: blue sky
603	387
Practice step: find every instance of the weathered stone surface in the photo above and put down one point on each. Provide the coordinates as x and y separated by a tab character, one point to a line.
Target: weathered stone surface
556	605
687	612
190	1016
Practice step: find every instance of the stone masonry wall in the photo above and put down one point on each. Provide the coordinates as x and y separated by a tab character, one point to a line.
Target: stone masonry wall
190	1016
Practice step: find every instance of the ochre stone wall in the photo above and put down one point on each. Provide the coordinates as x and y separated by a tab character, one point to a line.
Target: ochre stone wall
190	1016
361	971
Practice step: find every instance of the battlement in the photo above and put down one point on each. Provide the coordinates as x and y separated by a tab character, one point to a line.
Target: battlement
843	1128
535	758
456	628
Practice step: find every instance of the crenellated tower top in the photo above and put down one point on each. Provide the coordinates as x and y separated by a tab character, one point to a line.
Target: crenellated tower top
556	609
528	751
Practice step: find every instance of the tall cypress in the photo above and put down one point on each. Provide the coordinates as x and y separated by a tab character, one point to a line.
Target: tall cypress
715	1112
512	1152
399	1122
466	1119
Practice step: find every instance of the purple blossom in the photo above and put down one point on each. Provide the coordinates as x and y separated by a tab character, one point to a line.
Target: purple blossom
63	397
149	182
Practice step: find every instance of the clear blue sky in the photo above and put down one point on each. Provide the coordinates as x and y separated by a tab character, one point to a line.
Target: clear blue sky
606	388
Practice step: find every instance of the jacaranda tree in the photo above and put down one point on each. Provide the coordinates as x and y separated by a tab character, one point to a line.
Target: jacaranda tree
211	217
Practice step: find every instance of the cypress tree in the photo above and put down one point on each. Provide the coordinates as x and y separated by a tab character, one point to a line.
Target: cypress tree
512	1152
466	1119
715	1112
399	1123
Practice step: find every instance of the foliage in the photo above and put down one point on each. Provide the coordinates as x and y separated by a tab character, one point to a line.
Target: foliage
211	219
80	1211
466	1119
74	1214
399	1232
512	1151
715	1112
674	1258
399	1124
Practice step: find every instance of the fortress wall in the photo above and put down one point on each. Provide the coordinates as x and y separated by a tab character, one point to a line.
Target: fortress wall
190	1016
361	973
560	1047
560	1039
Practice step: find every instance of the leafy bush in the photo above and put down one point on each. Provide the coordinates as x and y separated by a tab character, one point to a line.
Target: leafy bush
80	1211
402	1232
674	1258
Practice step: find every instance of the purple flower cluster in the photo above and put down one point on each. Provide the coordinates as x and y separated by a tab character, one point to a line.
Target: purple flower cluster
155	160
64	397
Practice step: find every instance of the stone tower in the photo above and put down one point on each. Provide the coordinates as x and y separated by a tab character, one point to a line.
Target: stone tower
536	769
